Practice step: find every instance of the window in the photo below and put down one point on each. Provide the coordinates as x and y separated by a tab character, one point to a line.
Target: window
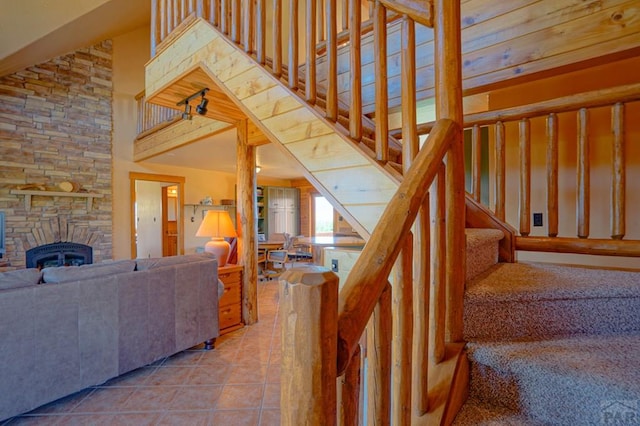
323	215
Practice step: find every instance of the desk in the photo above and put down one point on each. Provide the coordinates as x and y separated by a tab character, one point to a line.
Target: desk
270	245
319	243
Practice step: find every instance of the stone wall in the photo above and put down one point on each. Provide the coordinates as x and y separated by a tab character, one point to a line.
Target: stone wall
56	126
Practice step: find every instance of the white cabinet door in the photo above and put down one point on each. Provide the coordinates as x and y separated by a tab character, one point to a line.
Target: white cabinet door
291	216
277	221
291	198
276	197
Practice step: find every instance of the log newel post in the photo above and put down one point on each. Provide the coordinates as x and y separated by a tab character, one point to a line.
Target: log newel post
448	90
309	327
247	225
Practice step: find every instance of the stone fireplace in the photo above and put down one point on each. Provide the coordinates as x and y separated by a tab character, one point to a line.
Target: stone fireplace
57	127
58	242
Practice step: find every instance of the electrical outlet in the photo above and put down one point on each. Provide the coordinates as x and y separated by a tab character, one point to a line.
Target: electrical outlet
537	219
334	265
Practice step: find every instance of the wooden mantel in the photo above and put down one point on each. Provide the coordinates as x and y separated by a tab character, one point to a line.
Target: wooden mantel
28	193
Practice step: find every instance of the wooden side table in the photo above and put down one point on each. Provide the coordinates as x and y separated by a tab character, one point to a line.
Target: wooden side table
230	304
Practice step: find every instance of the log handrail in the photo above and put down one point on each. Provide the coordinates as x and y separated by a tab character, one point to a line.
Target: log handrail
368	278
592	99
581	104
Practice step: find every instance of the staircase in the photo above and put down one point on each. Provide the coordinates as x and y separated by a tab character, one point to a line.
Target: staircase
522	335
550	344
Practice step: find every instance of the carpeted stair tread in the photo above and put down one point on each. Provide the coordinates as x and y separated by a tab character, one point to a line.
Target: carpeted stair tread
557	381
536	281
474	413
521	301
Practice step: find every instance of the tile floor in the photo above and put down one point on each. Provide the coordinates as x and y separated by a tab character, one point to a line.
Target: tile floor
237	383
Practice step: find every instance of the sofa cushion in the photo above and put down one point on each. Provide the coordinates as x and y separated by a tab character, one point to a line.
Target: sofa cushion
20	278
159	262
62	274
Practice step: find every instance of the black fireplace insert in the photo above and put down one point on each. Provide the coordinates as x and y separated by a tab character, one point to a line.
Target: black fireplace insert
59	254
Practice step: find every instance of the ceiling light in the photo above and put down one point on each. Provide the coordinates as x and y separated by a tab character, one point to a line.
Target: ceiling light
202	107
258	168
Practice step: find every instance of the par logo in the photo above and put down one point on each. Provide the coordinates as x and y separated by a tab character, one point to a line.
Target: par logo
622	412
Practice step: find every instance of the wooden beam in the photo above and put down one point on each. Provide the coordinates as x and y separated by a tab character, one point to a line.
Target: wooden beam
255	135
248	228
630	248
181	133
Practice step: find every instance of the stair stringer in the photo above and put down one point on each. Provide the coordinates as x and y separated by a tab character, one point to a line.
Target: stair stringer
358	187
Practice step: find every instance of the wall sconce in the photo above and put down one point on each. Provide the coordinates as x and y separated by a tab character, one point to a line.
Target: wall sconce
258	168
200	109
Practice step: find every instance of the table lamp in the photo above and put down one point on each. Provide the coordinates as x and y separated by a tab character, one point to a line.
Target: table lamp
217	225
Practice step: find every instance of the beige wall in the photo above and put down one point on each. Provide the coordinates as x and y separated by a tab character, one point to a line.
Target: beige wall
610	75
43	17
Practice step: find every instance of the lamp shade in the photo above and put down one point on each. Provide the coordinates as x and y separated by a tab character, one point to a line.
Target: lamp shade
217	225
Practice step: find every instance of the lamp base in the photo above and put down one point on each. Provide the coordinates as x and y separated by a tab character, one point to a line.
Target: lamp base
220	248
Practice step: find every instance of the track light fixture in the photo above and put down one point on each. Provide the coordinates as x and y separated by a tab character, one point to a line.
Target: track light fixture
200	109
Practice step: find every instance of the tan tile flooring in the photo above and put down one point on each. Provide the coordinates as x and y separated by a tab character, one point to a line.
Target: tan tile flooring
237	383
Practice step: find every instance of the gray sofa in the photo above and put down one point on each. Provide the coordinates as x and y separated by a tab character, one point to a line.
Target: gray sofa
81	326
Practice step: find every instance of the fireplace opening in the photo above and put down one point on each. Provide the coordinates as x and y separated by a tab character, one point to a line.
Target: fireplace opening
59	254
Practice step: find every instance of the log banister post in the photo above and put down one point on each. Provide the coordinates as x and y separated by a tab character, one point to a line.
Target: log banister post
310	69
332	60
402	327
552	175
584	174
618	174
379	360
355	110
525	177
448	89
277	38
292	69
349	390
380	67
308	310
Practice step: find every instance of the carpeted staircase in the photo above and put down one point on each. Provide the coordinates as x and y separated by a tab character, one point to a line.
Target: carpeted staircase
550	344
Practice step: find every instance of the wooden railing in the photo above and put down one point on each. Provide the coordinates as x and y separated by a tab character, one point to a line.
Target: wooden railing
421	230
328	331
581	106
153	117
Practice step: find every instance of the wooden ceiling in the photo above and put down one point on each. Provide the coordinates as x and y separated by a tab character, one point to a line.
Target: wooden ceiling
219	108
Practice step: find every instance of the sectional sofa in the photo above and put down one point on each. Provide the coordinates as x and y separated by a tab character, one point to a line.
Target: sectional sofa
64	329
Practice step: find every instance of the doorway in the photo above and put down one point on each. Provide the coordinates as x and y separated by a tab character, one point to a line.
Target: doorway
157	202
